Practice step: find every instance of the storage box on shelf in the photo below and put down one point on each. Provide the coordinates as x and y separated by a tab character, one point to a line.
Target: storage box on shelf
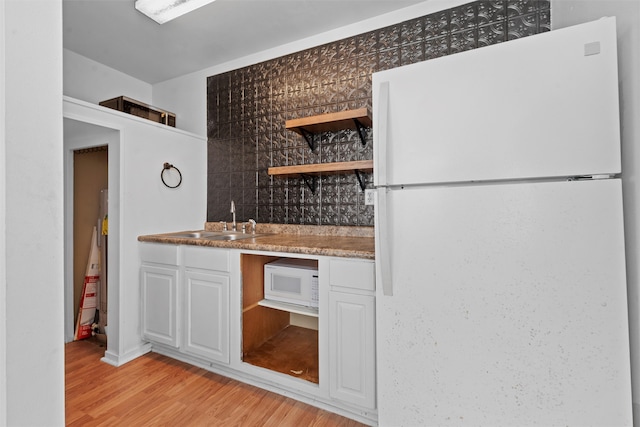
140	109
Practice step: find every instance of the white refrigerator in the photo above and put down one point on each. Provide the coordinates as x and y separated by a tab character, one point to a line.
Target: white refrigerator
500	264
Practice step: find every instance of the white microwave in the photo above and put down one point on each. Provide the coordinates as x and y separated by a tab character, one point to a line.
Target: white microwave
292	280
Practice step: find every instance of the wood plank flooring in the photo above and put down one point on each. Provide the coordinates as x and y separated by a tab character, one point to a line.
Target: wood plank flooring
155	390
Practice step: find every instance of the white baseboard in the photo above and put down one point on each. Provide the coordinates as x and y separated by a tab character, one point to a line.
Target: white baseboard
120	359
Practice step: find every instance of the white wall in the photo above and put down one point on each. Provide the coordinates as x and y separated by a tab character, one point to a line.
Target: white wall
3	235
93	82
139	203
627	12
187	95
32	212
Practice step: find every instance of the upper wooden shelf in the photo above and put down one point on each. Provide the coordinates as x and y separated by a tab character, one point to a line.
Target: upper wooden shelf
308	126
331	122
323	168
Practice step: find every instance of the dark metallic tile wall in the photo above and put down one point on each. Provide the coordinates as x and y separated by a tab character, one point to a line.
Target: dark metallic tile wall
247	109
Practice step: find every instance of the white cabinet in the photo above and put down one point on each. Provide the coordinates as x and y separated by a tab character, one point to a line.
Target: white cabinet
352	332
351	338
159	276
206	303
200	304
185	298
206	300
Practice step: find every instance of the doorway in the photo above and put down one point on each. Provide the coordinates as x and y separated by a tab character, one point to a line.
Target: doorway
91	164
90	189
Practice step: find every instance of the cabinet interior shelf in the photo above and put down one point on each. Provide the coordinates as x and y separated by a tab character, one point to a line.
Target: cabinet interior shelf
331	122
310	172
291	308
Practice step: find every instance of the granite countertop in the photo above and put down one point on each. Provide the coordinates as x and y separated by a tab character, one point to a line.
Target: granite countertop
350	242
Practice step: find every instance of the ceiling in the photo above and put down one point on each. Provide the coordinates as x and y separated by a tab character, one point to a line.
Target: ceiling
113	33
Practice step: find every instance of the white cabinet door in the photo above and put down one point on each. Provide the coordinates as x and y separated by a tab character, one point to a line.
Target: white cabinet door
207	315
352	348
159	303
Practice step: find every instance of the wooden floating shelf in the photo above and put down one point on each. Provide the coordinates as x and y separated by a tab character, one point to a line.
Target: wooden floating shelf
323	168
308	126
331	122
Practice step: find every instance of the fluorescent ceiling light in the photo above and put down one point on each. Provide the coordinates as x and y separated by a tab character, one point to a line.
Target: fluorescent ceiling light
162	11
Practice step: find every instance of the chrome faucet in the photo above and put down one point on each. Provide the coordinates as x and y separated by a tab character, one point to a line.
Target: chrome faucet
233	211
253	225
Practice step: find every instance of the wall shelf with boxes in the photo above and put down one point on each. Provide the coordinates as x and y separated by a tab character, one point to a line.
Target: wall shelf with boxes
140	109
308	127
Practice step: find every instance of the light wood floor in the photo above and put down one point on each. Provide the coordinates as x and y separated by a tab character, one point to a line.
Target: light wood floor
154	390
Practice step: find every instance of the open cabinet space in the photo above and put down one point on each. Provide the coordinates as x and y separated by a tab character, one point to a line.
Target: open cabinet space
275	339
292	351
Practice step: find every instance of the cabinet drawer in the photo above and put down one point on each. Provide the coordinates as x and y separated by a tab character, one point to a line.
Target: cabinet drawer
206	258
159	253
356	274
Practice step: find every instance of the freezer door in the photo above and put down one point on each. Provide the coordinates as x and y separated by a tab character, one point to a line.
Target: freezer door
541	106
509	307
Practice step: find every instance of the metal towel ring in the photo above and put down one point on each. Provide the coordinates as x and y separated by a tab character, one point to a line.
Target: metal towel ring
166	167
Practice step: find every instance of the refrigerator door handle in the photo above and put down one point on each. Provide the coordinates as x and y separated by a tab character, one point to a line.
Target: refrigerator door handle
383	254
380	153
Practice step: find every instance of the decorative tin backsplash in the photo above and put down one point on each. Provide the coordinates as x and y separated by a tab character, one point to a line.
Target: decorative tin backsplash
247	109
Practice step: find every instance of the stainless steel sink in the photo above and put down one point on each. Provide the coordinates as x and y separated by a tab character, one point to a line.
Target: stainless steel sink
233	236
194	234
216	235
